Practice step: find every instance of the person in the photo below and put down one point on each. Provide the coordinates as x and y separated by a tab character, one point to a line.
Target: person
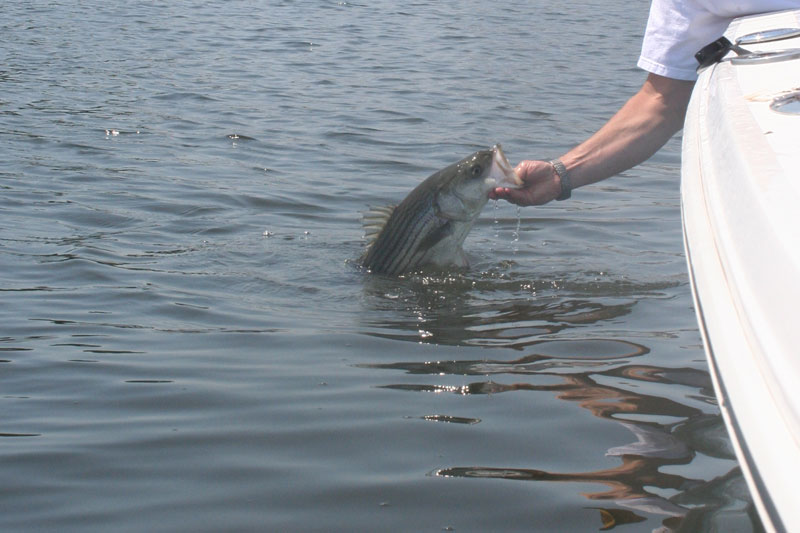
676	29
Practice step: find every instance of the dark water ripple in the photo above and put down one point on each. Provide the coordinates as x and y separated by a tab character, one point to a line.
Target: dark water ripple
188	343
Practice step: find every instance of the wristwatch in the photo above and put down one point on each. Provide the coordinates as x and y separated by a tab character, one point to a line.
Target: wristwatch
563	175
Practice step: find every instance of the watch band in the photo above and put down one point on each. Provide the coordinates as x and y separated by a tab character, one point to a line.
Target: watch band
563	175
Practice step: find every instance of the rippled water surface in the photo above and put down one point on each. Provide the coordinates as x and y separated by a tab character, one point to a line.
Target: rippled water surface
187	342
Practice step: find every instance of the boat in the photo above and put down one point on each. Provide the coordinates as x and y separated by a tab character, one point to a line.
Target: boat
740	208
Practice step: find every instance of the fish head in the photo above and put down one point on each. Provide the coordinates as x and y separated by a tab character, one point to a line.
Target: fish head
464	194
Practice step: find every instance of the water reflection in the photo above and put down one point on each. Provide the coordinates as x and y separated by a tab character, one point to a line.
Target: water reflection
636	484
661	407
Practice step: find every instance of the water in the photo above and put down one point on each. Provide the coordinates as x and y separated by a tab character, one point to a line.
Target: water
188	344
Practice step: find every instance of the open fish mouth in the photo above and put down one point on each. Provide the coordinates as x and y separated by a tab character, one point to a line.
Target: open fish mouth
502	174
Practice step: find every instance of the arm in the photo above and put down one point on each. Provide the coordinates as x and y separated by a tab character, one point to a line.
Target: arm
642	126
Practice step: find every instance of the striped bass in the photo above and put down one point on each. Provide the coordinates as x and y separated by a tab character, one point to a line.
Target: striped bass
430	225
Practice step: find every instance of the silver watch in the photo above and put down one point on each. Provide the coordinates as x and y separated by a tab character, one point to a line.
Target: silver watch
563	175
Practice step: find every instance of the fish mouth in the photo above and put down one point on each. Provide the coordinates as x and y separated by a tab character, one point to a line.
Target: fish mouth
502	174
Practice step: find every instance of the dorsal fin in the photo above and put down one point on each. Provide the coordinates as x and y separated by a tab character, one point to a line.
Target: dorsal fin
374	221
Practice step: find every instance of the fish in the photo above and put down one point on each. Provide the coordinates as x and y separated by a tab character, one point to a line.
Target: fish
429	226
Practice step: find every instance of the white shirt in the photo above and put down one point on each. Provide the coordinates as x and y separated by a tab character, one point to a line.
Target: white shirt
677	29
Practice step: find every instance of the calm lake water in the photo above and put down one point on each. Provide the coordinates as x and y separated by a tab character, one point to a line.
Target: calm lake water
188	344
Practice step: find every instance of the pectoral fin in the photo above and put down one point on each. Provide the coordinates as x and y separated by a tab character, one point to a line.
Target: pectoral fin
436	236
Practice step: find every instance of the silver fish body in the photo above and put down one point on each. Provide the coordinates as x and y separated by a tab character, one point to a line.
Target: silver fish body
429	226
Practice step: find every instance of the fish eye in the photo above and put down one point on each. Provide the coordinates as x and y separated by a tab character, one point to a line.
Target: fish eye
476	170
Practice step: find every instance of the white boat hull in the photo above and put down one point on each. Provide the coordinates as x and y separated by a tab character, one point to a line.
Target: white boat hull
740	198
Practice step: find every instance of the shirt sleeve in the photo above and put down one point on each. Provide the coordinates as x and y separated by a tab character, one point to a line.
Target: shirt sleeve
676	30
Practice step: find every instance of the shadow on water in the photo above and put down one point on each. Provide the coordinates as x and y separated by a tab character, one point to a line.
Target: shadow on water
668	433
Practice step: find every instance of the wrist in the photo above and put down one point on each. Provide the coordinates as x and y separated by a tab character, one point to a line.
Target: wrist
563	177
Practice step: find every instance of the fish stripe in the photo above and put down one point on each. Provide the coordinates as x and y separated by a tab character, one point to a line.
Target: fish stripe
387	242
389	250
405	259
430	224
400	238
404	236
401	234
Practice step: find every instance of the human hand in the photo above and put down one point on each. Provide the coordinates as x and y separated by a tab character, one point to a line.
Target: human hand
540	184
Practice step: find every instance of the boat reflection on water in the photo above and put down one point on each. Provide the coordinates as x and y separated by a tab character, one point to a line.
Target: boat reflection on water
578	370
656	446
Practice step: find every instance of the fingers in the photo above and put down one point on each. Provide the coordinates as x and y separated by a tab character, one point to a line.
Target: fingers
499	193
515	196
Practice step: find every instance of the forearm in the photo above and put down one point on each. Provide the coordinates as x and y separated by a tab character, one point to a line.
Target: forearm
638	130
